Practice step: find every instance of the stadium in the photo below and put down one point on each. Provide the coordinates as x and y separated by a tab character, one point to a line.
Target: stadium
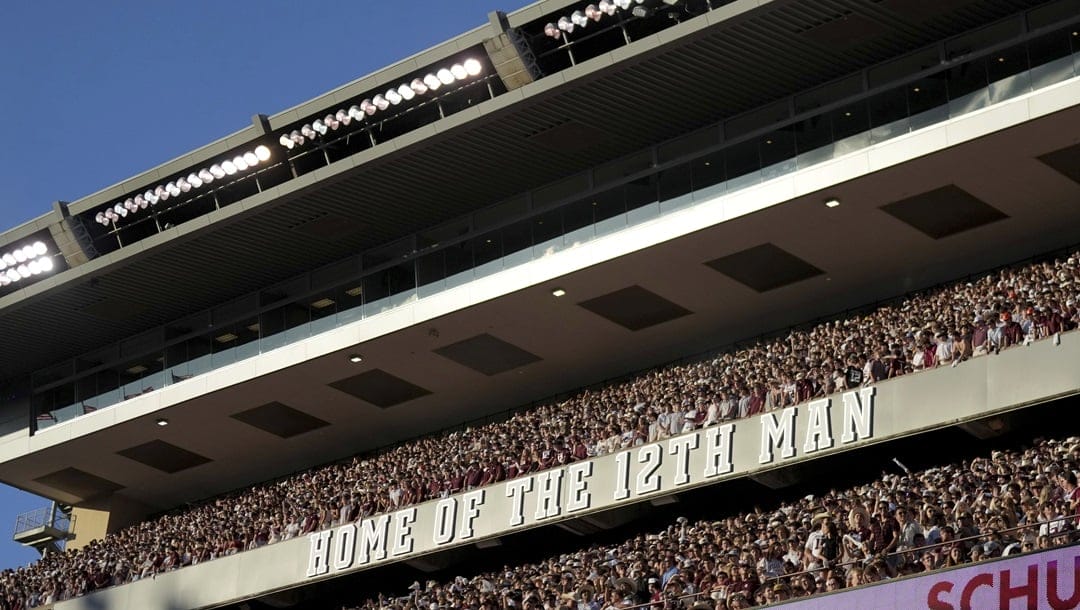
628	304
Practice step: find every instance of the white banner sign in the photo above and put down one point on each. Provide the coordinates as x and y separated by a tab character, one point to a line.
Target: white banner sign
697	458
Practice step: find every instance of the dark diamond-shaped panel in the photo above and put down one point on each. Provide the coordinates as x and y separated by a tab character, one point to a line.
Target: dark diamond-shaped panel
944	211
79	483
380	388
487	354
635	308
765	267
280	420
163	456
1066	161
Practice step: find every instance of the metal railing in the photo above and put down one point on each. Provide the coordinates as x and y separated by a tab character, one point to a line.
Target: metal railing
46	516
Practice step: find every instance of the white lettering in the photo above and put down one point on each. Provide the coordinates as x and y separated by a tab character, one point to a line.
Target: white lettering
403	538
819	429
473	501
516	490
778	434
577	490
346	547
718	450
680	448
858	415
548	486
622	475
319	560
445	516
373	534
651	456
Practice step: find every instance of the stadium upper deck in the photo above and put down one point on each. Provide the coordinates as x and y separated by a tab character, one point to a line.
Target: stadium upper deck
630	91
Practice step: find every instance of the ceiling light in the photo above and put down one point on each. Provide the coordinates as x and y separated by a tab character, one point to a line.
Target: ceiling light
356	358
226	338
323	303
558	292
832	203
161	421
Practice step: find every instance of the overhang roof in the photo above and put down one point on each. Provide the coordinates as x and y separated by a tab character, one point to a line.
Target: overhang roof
865	253
737	58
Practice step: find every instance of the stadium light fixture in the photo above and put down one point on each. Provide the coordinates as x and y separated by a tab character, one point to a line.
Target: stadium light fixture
394	96
25	262
194	180
832	203
552	31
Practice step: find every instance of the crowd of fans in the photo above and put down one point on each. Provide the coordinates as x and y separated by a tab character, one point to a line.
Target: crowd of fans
935	328
898	525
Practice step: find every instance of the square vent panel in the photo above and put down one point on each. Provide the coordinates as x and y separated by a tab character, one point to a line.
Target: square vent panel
487	354
765	267
380	388
163	456
280	420
635	308
79	483
943	212
1065	161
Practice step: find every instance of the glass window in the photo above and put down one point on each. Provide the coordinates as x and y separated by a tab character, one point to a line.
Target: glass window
674	181
640	192
707	170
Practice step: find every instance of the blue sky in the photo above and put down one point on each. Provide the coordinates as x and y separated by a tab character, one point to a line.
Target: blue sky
96	92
